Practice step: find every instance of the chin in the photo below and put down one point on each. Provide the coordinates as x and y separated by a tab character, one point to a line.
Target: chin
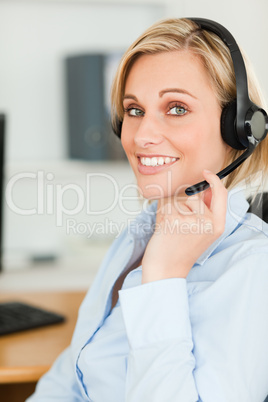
169	183
151	196
156	191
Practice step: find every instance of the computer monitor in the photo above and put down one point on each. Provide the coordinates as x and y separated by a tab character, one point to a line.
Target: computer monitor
17	316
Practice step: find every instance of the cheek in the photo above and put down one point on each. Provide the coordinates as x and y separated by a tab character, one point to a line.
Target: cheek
187	142
203	145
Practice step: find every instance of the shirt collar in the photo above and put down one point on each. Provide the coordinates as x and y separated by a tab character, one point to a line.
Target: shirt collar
142	227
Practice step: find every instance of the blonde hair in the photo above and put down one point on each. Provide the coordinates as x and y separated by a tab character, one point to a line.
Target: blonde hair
183	34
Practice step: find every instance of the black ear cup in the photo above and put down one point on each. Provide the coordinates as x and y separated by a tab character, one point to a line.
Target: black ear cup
243	124
228	126
256	123
117	127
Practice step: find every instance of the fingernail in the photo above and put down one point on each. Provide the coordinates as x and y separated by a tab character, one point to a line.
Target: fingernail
207	171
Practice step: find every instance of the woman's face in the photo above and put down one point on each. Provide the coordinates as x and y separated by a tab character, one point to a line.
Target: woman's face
171	126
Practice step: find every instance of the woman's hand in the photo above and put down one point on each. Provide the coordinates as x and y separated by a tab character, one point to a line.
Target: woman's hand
185	228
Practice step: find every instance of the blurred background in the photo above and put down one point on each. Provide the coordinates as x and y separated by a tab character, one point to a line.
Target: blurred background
63	166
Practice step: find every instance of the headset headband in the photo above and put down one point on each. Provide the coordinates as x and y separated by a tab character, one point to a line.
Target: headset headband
243	101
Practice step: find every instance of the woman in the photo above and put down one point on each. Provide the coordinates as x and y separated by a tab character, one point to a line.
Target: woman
178	311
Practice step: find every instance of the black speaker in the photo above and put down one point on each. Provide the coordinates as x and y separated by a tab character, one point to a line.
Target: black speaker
86	115
90	135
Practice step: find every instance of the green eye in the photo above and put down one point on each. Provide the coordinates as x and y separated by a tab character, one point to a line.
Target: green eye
178	111
135	112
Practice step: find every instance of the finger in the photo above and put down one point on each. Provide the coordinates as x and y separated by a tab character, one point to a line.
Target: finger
206	196
196	204
170	208
219	193
182	208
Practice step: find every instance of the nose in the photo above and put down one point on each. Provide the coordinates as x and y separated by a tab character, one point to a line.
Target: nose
149	132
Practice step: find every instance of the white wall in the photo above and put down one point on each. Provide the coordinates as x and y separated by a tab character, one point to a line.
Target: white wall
245	19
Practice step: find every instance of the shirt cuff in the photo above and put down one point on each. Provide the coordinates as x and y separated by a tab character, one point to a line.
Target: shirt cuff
156	312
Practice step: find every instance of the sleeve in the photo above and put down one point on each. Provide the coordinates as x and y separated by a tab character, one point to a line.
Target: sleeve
161	362
209	346
59	383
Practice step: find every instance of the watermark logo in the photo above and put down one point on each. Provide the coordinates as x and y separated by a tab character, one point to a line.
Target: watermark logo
54	198
67	201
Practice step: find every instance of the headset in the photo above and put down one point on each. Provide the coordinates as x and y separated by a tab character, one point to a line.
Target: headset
243	124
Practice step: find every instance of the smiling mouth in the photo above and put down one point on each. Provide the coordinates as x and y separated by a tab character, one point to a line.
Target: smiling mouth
157	161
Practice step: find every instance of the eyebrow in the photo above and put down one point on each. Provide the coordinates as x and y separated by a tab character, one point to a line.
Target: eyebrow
127	96
163	92
176	90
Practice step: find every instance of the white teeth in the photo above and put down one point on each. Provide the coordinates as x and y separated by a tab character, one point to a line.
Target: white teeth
167	159
147	162
154	161
161	161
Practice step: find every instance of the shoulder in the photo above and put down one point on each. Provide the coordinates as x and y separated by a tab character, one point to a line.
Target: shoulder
246	228
252	233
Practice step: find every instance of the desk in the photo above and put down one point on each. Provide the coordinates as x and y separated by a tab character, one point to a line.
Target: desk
26	356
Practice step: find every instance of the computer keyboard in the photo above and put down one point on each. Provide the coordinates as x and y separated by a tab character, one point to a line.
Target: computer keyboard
17	316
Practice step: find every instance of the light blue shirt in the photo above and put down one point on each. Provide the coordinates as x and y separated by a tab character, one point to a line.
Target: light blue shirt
204	338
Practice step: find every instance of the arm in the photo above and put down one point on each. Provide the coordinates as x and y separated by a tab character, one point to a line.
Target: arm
156	314
221	355
202	347
161	363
